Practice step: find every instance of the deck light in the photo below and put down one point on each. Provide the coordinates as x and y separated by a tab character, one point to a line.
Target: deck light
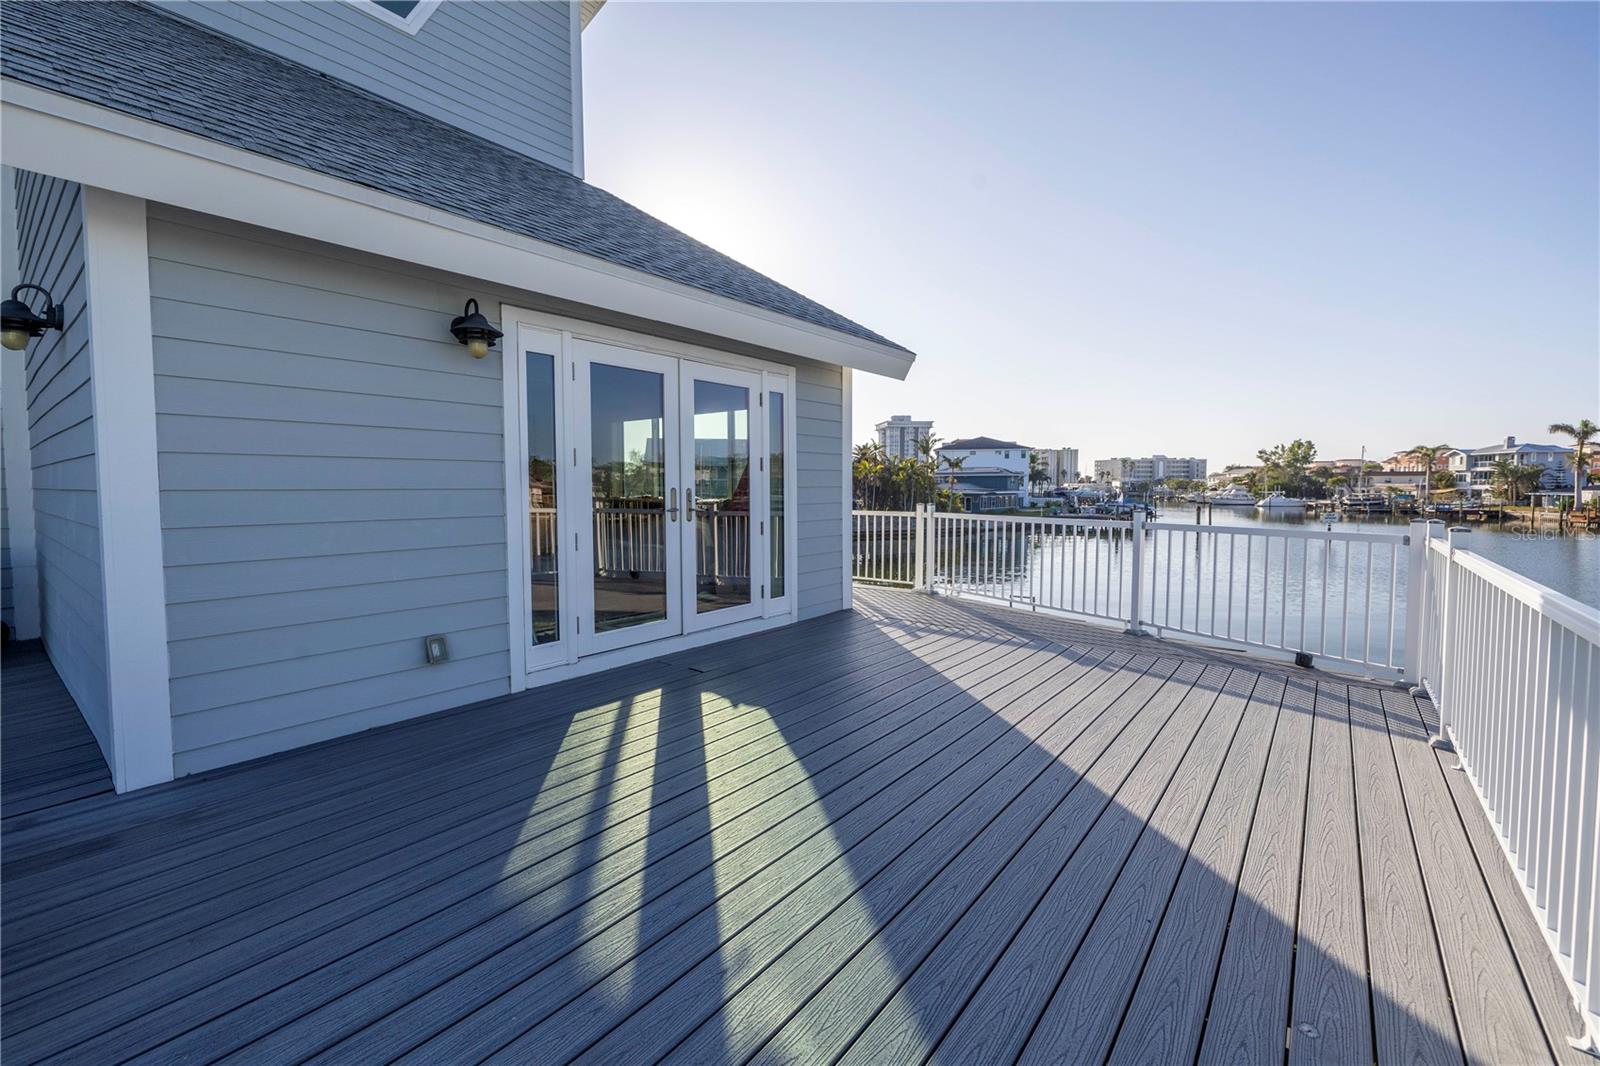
473	330
19	324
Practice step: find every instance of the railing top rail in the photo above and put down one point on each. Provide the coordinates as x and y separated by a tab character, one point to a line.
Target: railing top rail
1560	608
885	514
1371	536
1074	520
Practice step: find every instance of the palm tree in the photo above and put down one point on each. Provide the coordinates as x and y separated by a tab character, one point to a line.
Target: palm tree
1581	434
1428	456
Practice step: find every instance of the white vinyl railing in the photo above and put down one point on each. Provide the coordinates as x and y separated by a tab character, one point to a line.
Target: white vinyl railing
886	547
1338	596
1514	670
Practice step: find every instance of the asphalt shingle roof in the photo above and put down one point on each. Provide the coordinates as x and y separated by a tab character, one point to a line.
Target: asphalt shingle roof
980	443
158	66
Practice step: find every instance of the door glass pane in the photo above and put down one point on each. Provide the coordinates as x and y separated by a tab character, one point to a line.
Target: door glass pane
721	495
775	438
544	558
628	467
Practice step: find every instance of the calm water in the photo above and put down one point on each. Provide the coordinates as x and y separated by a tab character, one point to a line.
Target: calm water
1568	564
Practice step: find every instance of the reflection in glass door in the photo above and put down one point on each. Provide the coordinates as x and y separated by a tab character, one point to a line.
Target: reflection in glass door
720	494
544	538
629	470
720	503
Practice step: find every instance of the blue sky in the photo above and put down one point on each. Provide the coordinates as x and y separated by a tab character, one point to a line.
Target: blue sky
1192	229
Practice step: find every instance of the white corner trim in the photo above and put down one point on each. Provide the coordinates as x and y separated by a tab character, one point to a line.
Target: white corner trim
846	431
117	274
410	23
19	495
14	424
68	138
575	51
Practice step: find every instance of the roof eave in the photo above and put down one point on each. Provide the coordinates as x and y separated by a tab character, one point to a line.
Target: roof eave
76	140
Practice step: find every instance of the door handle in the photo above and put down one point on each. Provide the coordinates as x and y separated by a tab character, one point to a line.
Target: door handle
688	503
672	509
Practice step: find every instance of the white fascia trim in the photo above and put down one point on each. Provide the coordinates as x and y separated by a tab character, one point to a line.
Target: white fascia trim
18	450
575	52
846	431
410	23
68	138
116	257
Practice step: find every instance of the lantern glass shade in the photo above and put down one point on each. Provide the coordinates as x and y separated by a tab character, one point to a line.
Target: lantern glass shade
473	330
15	339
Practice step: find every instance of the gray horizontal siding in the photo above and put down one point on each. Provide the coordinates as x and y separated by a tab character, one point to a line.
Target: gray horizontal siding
331	488
61	433
497	68
819	429
331	493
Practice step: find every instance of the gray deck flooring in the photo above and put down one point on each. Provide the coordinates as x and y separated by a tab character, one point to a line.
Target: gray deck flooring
923	830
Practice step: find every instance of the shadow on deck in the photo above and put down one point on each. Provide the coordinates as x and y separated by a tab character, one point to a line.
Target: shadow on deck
922	829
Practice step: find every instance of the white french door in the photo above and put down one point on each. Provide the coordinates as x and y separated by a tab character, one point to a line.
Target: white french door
724	495
627	436
655	490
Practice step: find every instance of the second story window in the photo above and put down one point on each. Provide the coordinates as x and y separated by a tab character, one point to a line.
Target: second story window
408	15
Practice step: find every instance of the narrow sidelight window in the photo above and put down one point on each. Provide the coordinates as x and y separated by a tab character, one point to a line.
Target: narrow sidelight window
775	437
543	540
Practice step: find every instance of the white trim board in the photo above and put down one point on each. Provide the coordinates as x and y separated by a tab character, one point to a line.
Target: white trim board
18	449
409	23
117	271
68	138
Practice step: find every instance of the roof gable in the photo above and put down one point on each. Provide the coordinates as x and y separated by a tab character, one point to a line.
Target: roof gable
160	67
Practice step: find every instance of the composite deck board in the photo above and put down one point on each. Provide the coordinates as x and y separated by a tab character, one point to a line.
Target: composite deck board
568	1010
1164	1015
423	904
365	839
1083	1015
924	828
1498	1020
931	948
674	845
1413	1018
1249	1000
1330	1020
976	837
995	1022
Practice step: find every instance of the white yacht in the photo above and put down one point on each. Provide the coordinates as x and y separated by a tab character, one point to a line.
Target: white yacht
1277	501
1232	496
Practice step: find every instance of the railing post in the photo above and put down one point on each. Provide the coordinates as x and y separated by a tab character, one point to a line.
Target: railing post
1416	601
1136	585
919	576
1457	540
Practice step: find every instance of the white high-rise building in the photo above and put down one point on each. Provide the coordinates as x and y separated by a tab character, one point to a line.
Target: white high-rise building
899	435
1062	463
1149	469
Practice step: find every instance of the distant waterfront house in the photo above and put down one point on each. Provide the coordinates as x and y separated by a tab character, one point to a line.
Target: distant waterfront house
900	435
1473	468
363	403
993	473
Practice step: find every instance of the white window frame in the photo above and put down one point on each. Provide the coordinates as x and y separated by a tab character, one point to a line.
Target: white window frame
785	604
409	23
525	337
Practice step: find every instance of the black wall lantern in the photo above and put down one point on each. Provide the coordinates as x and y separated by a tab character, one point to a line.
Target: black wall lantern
472	329
18	323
